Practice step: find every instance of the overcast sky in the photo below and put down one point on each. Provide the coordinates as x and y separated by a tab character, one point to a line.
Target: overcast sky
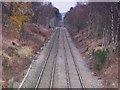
63	5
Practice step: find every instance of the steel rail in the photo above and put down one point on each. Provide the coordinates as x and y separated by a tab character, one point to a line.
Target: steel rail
44	65
54	62
74	60
21	84
66	63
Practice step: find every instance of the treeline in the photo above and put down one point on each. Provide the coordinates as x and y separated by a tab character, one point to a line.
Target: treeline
101	19
26	26
45	14
76	17
15	14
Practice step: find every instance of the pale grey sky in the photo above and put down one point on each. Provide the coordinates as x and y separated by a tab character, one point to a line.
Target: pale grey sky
63	5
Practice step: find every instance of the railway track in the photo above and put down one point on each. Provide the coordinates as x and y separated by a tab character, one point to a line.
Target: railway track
54	62
55	44
43	65
74	60
47	72
66	62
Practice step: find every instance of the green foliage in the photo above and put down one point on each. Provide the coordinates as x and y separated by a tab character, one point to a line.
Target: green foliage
100	56
10	84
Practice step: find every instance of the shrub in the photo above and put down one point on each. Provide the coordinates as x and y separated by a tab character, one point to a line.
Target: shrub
11	51
5	61
100	56
86	49
10	84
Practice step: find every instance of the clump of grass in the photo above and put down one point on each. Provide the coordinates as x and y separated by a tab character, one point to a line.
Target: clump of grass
100	57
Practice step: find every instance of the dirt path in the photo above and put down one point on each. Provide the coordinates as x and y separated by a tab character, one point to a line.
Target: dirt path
59	65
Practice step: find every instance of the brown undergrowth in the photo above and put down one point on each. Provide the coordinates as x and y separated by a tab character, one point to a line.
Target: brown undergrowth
109	71
18	50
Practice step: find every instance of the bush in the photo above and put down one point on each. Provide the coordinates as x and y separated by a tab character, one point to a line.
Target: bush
86	49
12	51
5	61
10	84
100	56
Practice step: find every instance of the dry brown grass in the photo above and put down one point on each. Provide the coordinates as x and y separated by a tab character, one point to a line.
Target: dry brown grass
109	73
18	56
25	51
